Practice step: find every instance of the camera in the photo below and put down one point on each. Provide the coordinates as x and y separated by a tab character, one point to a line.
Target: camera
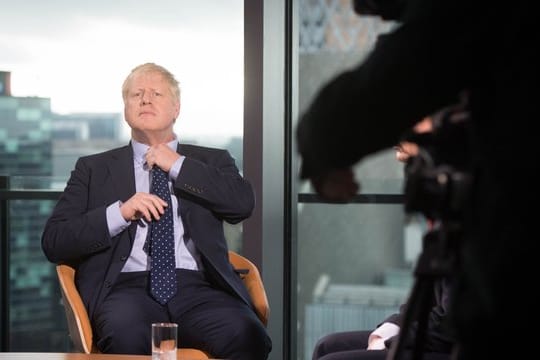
439	192
436	179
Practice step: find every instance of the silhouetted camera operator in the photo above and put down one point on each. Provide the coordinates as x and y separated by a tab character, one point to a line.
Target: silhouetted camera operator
437	185
421	328
439	49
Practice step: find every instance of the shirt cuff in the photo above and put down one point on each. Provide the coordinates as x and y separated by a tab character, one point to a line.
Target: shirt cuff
386	331
115	221
176	167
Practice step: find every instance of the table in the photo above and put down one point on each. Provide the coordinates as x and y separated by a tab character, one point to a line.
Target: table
67	356
71	356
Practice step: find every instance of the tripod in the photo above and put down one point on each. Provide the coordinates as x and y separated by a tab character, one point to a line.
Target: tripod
436	261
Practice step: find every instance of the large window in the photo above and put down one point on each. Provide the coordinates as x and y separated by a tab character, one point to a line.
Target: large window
62	65
353	262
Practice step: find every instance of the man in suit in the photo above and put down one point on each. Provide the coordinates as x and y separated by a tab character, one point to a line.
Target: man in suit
103	219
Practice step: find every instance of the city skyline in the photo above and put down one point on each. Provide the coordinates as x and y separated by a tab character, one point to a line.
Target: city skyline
79	54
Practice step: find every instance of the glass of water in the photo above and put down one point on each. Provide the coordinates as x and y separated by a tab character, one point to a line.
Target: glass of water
164	341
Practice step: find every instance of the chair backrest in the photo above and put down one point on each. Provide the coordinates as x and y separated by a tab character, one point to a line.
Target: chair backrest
254	284
80	330
78	323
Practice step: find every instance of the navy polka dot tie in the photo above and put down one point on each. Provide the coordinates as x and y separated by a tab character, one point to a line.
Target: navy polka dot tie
162	271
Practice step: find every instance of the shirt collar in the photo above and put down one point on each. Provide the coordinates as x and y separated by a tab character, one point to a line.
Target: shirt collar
140	149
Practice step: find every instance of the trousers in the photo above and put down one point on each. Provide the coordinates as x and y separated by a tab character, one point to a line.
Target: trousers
352	345
208	318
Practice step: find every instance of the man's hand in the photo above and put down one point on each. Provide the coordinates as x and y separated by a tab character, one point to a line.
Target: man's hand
405	150
162	156
143	205
337	185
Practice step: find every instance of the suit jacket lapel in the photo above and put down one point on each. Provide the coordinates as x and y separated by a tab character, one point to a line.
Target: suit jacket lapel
183	210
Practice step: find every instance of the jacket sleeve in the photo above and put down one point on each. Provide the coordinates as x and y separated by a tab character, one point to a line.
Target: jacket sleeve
215	183
74	230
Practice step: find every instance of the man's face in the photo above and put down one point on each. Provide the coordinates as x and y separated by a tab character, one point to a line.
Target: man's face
150	106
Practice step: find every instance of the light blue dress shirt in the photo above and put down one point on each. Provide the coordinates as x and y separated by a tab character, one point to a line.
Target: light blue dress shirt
187	256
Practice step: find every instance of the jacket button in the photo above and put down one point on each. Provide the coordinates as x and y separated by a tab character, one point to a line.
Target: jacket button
107	284
123	258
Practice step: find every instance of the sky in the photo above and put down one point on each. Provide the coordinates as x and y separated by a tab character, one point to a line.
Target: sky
78	54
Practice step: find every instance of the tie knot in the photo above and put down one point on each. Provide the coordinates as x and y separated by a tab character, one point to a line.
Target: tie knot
158	172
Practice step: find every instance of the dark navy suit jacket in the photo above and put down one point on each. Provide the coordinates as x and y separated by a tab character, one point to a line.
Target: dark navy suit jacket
210	190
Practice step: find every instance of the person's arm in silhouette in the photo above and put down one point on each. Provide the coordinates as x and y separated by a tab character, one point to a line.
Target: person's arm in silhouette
416	69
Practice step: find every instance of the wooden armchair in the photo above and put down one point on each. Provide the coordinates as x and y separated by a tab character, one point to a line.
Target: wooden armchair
80	330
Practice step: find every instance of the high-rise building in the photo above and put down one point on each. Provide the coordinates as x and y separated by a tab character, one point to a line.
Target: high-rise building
38	149
5	85
26	157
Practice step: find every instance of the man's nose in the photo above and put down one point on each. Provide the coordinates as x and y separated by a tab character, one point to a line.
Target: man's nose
146	98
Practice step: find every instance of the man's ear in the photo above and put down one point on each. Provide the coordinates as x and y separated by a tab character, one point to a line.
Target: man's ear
177	111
